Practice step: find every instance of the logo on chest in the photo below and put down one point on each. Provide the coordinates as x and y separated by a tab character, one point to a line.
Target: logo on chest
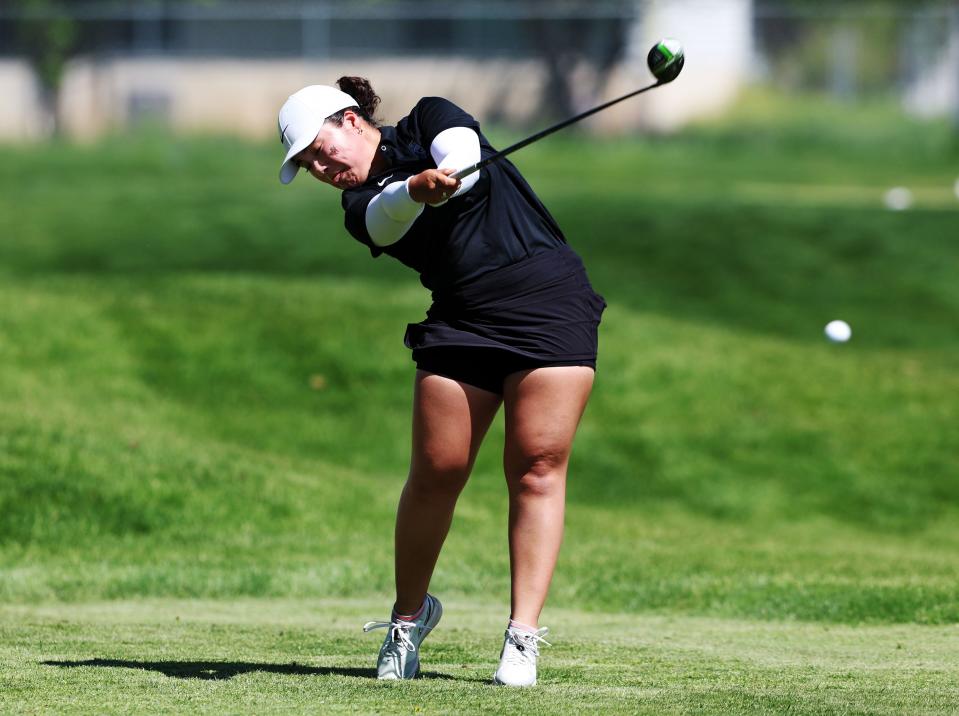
416	149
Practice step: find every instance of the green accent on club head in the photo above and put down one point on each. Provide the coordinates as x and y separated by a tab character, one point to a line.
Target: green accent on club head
664	61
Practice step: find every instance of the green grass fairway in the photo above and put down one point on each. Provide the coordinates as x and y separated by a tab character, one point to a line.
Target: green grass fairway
280	656
204	413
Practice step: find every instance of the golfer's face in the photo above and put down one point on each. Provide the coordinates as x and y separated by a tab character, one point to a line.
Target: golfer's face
336	157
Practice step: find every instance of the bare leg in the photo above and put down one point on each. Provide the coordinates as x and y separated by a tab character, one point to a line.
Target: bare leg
449	422
543	409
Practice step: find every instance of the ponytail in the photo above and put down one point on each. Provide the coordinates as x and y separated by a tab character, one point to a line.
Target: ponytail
367	100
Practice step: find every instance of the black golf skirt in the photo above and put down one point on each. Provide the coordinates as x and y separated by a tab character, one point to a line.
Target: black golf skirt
539	312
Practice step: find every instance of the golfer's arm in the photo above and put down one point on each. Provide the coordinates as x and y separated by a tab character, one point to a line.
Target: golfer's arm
457	148
392	212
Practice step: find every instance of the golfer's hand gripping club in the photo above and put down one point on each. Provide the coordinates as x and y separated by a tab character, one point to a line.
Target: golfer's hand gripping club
433	186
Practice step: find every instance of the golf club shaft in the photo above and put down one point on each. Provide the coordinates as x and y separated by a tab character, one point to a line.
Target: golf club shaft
549	130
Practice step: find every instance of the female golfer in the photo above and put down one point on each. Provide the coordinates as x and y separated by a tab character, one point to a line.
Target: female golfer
513	321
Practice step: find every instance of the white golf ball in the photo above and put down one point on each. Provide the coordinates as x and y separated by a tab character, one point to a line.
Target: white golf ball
838	331
899	198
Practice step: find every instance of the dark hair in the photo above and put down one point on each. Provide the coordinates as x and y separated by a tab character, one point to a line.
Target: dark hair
358	88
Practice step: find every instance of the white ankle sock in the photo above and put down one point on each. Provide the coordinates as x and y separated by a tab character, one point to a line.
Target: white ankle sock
522	627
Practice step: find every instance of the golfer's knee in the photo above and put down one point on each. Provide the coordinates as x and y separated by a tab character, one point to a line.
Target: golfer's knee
538	473
438	476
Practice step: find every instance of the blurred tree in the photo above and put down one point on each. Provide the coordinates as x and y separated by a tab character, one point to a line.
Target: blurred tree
566	43
46	36
848	48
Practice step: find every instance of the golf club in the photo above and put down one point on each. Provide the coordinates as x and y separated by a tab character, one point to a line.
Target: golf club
665	61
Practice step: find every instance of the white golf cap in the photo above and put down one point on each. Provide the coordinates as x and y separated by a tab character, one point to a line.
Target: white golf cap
301	118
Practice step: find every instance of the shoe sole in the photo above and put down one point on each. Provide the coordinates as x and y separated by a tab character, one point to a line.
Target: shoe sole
497	682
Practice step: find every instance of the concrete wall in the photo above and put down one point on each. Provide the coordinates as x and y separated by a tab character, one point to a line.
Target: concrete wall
243	96
21	118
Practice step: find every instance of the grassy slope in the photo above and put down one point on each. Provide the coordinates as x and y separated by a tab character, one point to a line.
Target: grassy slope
203	390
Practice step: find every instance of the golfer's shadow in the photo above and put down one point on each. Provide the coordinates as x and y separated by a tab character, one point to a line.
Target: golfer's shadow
220	670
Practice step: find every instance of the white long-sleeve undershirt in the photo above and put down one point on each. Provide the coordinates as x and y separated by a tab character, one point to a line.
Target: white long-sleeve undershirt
457	148
392	212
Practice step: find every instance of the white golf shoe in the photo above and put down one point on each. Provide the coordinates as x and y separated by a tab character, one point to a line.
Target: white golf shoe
400	654
517	661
